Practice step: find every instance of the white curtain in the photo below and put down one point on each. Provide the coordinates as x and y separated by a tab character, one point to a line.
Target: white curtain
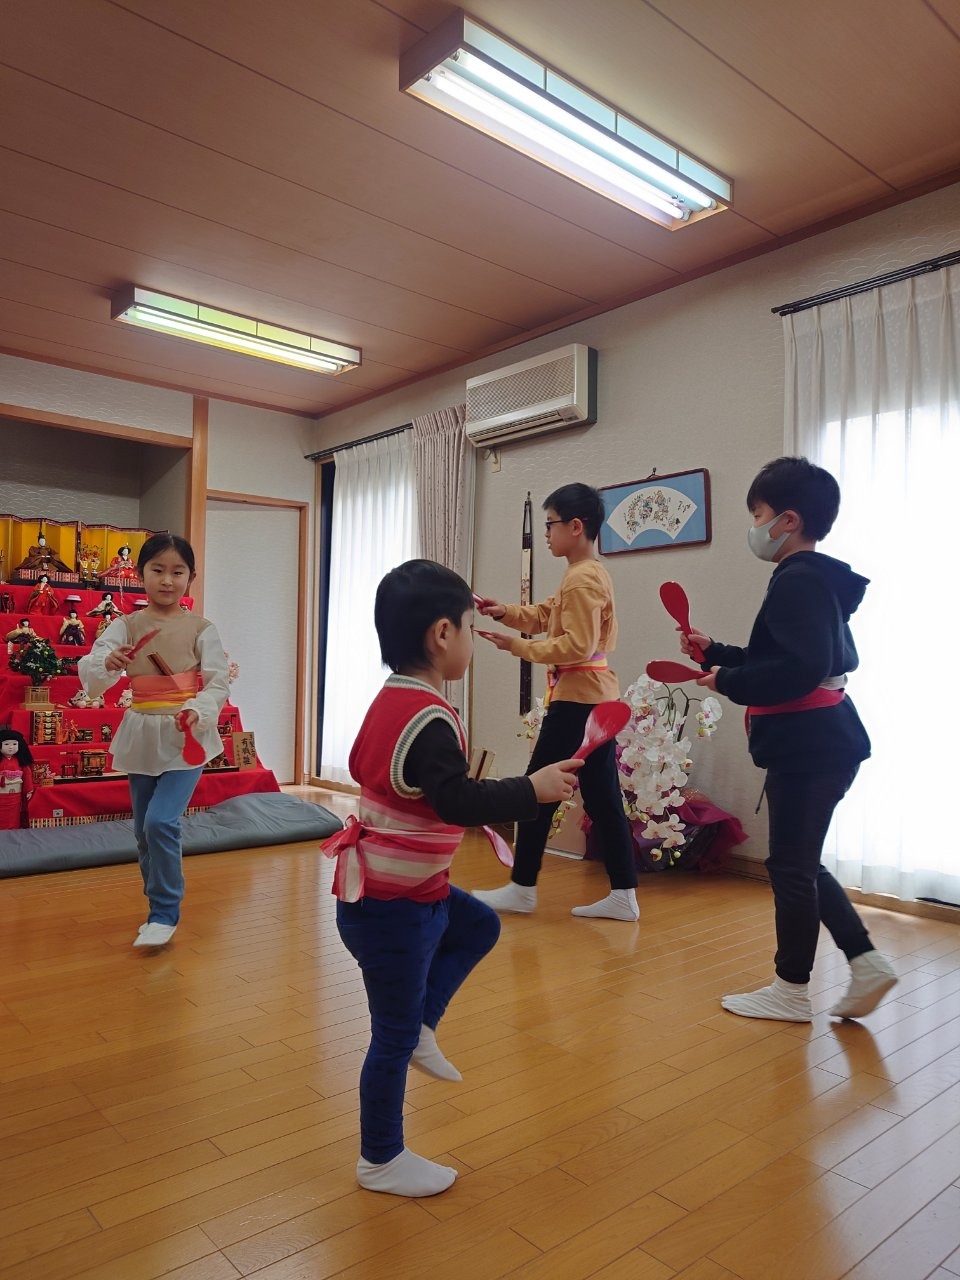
374	529
872	394
446	480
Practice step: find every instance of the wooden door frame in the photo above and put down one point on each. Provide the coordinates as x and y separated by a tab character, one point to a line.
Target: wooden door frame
303	549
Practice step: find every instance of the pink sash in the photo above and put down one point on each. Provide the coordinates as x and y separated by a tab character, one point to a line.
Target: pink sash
345	845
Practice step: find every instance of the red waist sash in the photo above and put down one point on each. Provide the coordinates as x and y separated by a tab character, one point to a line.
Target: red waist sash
818	697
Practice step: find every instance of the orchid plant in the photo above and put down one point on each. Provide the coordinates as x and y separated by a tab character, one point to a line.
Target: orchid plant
653	755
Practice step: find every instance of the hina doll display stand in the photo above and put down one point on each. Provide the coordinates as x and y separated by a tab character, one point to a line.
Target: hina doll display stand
71	745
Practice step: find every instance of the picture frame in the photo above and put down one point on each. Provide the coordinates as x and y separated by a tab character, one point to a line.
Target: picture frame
659	512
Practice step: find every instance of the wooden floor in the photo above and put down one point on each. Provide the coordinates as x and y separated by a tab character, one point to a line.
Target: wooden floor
192	1113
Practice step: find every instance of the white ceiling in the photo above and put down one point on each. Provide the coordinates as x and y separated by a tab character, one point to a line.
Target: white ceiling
260	157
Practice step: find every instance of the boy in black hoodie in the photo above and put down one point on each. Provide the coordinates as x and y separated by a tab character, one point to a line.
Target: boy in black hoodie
804	731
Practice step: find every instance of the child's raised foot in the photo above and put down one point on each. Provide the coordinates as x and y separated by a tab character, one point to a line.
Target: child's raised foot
871	977
405	1175
518	899
428	1058
154	935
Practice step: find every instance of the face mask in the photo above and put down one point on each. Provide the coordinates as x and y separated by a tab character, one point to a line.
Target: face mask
760	542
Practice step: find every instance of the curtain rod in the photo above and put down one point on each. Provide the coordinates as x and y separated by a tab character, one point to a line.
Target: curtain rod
351	444
847	291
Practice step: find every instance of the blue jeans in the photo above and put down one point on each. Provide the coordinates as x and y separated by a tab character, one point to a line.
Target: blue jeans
414	956
158	805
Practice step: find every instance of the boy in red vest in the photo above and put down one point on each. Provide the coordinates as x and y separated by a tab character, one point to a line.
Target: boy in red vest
415	936
804	731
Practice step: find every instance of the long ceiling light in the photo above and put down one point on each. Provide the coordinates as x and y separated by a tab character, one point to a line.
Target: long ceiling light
197	322
474	74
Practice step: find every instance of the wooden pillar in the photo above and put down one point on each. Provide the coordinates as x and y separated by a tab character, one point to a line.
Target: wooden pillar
197	497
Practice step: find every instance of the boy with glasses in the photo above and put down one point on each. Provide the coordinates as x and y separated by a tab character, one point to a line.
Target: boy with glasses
580	628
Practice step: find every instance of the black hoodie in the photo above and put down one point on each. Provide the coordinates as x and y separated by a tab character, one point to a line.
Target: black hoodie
800	637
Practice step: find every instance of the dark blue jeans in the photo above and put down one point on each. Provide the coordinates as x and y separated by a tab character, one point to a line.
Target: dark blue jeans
805	894
414	957
560	735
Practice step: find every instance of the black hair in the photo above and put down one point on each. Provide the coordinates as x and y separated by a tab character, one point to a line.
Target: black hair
23	621
578	502
8	734
410	599
166	542
797	484
125	547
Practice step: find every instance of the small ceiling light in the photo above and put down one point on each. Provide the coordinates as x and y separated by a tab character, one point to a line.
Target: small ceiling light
197	322
474	74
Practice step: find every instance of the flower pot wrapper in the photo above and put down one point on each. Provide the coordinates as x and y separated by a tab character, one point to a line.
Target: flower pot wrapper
707	833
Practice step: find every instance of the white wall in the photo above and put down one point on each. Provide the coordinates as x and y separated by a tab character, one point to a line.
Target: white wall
164	489
250	593
261	453
689	378
91	395
256	451
68	475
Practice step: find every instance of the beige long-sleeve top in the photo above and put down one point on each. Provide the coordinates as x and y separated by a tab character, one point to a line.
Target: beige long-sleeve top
152	743
579	621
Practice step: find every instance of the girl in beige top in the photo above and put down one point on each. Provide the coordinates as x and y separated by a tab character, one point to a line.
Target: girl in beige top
178	674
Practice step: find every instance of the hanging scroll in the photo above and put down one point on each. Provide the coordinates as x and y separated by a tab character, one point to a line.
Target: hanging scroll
526	597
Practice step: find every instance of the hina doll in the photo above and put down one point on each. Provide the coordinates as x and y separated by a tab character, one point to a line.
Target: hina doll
121	566
72	630
16	779
43	598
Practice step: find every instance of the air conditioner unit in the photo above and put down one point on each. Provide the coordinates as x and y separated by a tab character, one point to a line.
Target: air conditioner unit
545	393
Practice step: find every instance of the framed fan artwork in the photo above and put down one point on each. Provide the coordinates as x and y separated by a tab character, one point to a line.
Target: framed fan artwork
661	511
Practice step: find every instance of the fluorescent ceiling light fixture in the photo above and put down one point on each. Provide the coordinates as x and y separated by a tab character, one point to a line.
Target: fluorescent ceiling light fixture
197	322
474	74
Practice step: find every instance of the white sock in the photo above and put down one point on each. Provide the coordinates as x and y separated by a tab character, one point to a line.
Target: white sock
780	1002
871	977
520	899
619	904
405	1175
154	935
428	1058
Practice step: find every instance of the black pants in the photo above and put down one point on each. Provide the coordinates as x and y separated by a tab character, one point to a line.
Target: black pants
560	735
800	807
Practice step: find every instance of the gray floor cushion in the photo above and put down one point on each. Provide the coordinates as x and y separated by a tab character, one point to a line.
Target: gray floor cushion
243	822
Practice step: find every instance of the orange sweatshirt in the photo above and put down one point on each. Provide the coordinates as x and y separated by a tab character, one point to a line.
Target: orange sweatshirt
579	621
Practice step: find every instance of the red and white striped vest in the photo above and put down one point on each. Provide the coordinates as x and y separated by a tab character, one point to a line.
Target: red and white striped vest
398	847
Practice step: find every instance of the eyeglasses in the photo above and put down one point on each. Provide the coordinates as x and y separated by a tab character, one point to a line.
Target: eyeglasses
548	523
